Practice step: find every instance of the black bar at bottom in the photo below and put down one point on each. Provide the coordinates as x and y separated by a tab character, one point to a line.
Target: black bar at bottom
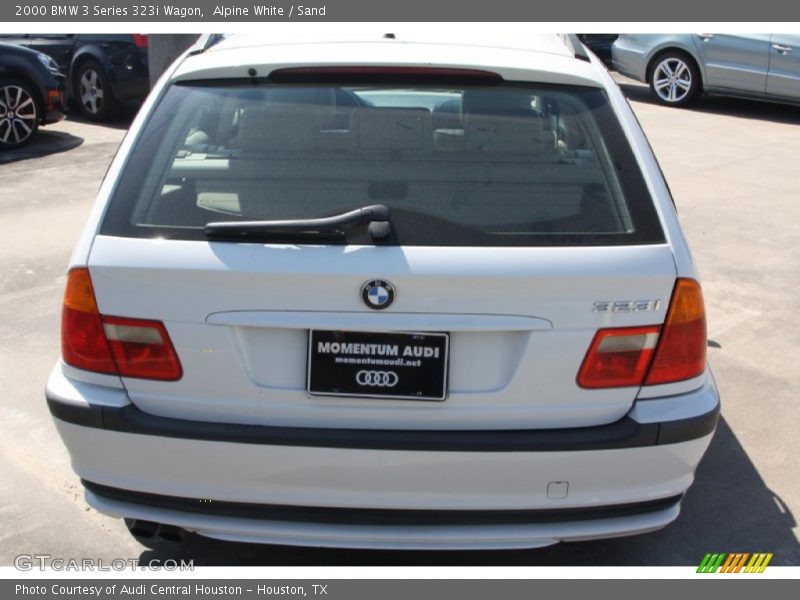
373	516
625	433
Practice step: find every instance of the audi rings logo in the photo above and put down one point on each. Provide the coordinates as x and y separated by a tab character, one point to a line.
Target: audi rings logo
377	378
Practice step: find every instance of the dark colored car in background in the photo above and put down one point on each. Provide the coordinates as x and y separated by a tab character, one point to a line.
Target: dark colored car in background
104	71
32	93
600	44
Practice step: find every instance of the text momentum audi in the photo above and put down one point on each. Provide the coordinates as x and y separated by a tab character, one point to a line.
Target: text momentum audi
385	292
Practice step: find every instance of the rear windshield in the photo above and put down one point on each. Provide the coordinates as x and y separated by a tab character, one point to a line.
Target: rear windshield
498	165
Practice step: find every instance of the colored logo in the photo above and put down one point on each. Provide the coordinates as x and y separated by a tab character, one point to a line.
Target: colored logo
377	294
737	562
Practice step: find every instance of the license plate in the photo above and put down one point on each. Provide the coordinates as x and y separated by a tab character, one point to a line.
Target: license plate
371	364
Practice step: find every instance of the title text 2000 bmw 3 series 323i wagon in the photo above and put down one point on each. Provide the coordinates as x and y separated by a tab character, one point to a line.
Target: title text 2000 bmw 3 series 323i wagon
385	292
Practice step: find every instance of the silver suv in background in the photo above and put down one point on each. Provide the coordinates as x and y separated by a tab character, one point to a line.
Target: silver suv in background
680	67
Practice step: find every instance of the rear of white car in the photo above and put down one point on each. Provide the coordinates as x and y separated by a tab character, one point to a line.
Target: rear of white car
434	299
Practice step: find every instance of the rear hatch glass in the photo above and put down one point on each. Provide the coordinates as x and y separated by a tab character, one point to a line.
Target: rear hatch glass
469	165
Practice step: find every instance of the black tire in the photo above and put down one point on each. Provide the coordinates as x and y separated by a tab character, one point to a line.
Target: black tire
674	78
19	113
92	92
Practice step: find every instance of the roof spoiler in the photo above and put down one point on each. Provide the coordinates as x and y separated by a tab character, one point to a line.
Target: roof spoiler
205	42
574	45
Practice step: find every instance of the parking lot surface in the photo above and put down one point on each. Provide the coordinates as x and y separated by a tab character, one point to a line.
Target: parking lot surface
732	169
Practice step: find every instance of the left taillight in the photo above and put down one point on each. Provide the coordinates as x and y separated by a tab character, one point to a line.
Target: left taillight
108	344
140	40
83	343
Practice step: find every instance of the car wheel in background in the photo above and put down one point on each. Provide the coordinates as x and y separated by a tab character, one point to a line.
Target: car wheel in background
674	78
19	115
93	92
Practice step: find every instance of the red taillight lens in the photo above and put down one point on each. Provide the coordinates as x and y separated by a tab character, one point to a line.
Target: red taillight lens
140	40
618	357
681	351
83	343
116	345
141	348
651	355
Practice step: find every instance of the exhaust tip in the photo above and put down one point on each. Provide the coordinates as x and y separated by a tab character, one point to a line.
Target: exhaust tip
170	533
142	529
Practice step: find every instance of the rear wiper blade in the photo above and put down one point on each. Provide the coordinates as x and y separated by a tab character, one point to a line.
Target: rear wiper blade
376	216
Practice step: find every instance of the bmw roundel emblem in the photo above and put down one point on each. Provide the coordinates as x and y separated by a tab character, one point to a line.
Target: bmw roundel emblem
377	294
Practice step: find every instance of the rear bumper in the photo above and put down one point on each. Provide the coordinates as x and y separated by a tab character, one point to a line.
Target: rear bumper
625	433
54	116
386	529
303	486
132	87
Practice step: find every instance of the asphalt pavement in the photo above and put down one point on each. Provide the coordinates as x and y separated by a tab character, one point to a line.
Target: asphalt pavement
732	166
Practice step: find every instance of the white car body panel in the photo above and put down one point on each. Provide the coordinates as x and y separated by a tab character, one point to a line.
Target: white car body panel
341	477
295	476
520	321
254	371
511	64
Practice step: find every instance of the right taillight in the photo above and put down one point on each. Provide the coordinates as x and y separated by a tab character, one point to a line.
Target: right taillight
115	345
140	40
618	357
681	350
652	354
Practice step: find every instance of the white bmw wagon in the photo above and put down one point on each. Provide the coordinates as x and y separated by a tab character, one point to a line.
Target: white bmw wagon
385	292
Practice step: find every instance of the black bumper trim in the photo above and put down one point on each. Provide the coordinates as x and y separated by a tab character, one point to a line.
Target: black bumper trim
378	516
625	433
